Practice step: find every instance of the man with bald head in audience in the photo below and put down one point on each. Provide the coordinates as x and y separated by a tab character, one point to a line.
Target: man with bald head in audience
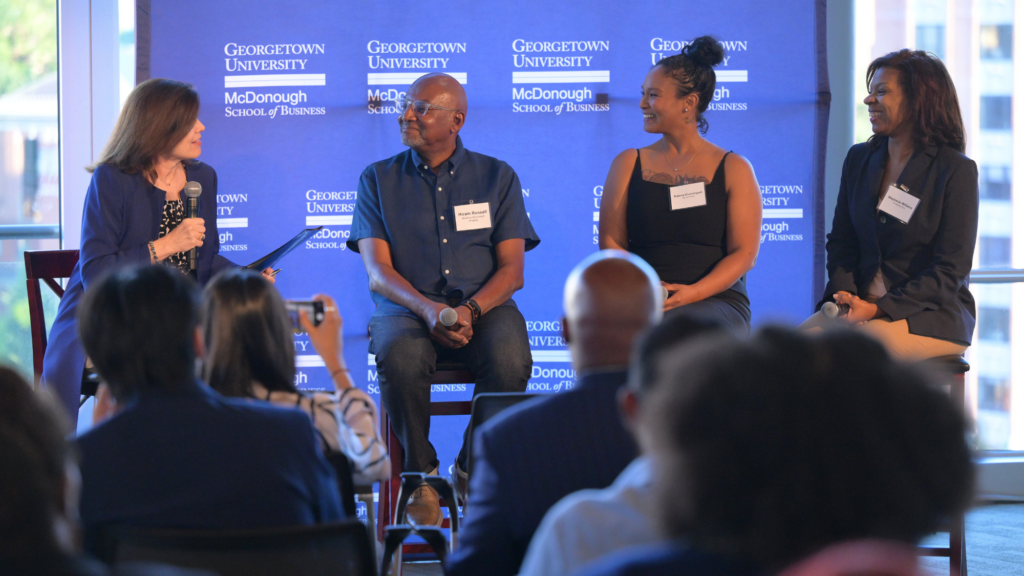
532	455
441	227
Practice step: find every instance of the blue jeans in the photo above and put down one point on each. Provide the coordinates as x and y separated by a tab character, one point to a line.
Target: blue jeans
498	353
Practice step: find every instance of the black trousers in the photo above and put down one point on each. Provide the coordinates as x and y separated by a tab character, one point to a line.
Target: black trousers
498	353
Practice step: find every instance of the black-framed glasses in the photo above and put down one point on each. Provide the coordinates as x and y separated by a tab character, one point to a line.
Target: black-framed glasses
419	107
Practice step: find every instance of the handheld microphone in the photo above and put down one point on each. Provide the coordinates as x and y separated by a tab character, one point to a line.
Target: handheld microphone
448	317
192	191
664	293
832	310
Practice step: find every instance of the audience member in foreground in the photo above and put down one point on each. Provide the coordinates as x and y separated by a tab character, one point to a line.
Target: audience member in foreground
767	451
532	455
177	454
251	354
588	524
39	487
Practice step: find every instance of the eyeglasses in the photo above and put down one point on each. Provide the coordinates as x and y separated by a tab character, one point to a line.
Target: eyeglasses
419	107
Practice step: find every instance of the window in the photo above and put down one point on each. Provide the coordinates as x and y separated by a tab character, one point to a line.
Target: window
996	112
996	41
932	39
995	182
29	185
994	324
994	252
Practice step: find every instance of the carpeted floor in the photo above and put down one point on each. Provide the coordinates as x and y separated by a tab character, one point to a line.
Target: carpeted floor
995	545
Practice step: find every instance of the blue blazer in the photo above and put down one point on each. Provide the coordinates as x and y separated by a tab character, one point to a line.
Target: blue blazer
197	460
121	217
529	457
926	262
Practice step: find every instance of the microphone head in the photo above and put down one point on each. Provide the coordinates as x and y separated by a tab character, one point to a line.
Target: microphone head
829	310
193	189
448	317
664	293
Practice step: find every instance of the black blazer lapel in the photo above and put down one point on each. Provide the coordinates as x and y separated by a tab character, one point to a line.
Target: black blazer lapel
915	173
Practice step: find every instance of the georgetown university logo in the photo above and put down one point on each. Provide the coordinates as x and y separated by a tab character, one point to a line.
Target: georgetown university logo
547	62
291	66
329	209
399	64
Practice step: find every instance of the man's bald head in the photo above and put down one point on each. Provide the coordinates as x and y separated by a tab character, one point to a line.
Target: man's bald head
434	134
436	87
610	297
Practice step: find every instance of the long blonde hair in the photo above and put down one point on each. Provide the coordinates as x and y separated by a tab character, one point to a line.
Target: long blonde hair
156	116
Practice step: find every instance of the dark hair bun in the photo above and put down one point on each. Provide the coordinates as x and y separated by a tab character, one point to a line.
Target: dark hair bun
705	51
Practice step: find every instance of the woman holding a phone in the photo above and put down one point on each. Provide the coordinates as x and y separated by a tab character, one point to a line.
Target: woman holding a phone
250	353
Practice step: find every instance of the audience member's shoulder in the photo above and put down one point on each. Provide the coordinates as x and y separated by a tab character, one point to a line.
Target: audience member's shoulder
669	558
263	411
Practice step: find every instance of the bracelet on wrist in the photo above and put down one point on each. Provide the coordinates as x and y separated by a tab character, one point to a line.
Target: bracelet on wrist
338	371
152	252
474	309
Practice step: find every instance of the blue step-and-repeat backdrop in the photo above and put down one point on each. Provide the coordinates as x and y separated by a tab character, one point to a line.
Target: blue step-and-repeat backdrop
298	98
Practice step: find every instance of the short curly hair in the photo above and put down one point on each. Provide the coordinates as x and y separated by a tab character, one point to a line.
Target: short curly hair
770	449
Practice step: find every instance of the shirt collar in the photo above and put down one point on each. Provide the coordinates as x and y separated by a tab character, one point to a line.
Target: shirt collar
453	161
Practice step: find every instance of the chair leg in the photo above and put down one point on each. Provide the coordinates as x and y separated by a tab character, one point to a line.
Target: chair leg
958	547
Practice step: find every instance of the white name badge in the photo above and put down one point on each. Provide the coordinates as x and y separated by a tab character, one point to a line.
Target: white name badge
899	204
473	216
687	196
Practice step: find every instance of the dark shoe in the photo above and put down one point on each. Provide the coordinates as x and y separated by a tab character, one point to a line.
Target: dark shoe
460	483
424	507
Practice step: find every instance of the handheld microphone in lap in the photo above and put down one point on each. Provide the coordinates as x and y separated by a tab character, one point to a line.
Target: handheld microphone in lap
192	191
448	317
832	310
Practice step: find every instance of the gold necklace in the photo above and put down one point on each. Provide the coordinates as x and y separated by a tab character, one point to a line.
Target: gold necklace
674	169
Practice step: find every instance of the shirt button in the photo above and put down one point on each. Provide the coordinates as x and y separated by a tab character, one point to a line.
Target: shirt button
881	218
438	188
442	217
445	240
445	271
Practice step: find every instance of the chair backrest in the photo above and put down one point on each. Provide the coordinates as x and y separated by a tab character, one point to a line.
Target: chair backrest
337	549
487	406
346	489
48	266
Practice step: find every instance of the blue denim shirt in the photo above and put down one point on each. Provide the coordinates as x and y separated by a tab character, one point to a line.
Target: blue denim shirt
412	208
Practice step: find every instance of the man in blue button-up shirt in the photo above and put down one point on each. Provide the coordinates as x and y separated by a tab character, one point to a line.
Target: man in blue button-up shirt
440	226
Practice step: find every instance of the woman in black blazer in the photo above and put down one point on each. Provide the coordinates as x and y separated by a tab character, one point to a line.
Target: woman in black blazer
902	240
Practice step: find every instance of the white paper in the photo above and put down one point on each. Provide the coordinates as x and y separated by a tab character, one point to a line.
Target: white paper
687	196
898	204
473	216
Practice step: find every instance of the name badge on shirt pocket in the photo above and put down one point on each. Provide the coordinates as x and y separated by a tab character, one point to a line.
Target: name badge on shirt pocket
898	203
472	217
687	196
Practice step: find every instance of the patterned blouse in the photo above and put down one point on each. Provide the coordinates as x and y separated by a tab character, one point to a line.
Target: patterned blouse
174	213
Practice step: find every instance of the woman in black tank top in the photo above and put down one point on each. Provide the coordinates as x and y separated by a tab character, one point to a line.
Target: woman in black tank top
689	208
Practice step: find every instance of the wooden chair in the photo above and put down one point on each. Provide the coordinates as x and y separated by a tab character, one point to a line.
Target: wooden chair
955	367
49	266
